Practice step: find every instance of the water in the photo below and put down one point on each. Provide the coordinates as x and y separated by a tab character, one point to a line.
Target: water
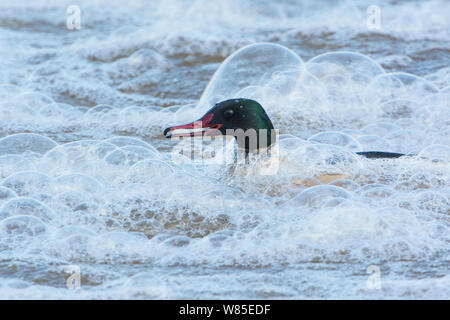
89	184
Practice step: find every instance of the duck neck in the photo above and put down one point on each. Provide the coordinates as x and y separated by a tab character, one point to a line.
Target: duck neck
255	141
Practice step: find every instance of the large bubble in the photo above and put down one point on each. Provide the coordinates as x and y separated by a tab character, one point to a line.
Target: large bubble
336	138
30	183
322	161
85	156
344	75
35	100
272	68
434	111
359	68
6	193
10	164
129	141
397	85
380	128
77	182
22	225
436	153
129	155
289	186
143	68
146	170
8	91
102	113
397	109
432	201
26	142
13	110
26	206
318	196
373	143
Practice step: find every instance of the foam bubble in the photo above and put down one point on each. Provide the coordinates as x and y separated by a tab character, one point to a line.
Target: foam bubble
10	164
256	64
116	245
373	142
376	191
77	182
318	196
129	141
101	113
336	138
357	68
346	184
129	155
436	153
397	108
85	156
34	100
6	193
52	110
432	201
22	225
26	206
322	161
68	231
146	285
398	85
380	128
406	141
72	199
288	143
143	68
29	183
145	170
289	186
11	110
440	99
434	111
26	142
9	91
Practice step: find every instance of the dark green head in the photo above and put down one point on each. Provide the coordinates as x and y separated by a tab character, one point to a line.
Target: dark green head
241	118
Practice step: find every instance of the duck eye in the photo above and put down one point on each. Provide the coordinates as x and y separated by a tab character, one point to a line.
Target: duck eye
228	113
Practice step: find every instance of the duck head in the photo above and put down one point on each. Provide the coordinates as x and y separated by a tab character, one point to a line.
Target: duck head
245	119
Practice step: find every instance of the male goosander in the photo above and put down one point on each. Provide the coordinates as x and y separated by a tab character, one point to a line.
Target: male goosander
229	116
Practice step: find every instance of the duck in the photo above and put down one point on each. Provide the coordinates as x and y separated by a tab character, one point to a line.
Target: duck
247	121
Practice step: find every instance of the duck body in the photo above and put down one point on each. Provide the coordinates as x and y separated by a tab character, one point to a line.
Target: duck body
248	122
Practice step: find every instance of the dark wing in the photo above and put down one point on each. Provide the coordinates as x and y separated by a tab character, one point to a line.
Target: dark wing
380	154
